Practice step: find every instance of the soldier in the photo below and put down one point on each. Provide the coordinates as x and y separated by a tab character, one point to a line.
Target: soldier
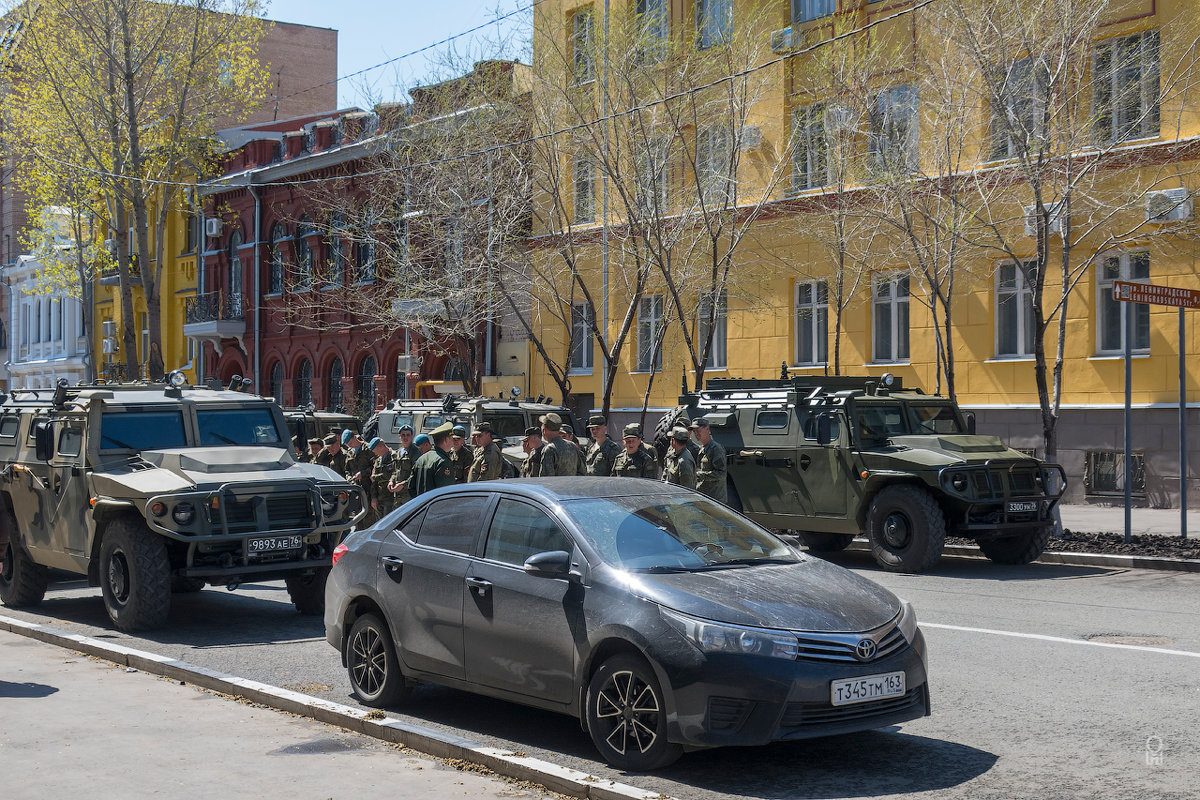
603	451
679	467
382	501
434	469
333	456
402	465
637	461
460	453
314	449
358	459
486	465
298	449
559	456
569	435
531	443
711	470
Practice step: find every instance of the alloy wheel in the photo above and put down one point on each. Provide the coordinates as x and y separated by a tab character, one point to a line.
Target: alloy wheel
630	707
368	654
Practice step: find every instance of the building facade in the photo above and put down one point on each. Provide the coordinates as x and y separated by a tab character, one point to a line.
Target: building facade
50	341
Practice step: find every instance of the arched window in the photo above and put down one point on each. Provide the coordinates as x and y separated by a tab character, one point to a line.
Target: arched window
336	250
234	286
278	234
276	385
365	385
304	256
336	372
304	383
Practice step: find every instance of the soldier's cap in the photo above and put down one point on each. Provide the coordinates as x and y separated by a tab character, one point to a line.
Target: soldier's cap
552	421
530	432
374	443
315	440
680	435
482	427
699	422
633	429
568	430
347	435
405	427
421	439
458	431
445	427
330	438
596	419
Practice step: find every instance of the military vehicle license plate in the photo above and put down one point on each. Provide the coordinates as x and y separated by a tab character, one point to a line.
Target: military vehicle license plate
273	544
1014	508
871	687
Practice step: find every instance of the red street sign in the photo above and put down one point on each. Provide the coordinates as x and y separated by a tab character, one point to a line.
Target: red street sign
1160	295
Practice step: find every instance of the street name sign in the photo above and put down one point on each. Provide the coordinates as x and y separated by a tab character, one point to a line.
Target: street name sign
1159	295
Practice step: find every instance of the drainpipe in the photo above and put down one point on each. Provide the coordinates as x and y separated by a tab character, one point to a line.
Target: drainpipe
257	289
201	265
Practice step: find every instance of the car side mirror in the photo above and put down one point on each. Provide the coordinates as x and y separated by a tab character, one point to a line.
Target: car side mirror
551	564
43	441
969	416
824	429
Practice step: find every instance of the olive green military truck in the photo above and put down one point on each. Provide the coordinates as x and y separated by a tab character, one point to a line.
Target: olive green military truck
149	489
835	457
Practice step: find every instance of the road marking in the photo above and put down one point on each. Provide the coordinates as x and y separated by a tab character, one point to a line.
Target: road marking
1063	639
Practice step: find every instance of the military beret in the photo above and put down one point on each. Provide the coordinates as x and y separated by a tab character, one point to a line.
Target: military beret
596	419
699	422
680	435
331	438
374	443
406	427
633	429
346	435
552	421
421	439
483	427
445	427
459	431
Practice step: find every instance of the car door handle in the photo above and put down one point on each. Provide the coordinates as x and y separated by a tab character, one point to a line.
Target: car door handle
480	586
394	567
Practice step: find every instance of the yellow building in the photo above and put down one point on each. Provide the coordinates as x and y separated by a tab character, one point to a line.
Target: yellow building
868	143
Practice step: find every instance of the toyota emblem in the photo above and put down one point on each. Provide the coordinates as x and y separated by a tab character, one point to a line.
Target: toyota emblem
865	649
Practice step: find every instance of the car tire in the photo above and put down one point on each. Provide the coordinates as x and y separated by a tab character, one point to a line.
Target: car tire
308	591
372	663
22	582
135	576
906	528
1020	549
627	717
182	585
824	542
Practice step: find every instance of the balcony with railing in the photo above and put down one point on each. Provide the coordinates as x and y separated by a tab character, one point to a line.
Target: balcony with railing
214	317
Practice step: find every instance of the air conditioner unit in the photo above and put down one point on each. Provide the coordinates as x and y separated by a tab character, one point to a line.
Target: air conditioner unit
1055	226
783	41
1169	205
110	245
109	328
750	138
212	227
109	345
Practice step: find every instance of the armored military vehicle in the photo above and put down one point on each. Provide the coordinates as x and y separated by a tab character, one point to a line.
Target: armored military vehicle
309	422
147	489
835	457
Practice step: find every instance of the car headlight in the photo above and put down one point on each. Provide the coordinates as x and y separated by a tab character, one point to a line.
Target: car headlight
711	637
183	513
908	621
959	482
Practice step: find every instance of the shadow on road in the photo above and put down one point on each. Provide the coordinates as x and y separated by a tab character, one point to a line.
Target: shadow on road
25	691
977	568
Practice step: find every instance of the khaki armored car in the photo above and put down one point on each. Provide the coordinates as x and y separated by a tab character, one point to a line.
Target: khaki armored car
835	457
149	489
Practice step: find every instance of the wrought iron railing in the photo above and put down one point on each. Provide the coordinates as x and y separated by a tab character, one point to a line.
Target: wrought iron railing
213	306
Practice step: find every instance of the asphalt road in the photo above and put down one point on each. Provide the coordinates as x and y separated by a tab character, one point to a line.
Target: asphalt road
1047	682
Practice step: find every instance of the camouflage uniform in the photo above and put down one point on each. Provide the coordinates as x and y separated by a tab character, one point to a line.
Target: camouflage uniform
600	457
680	468
336	462
402	467
559	457
641	464
381	473
711	471
486	464
533	463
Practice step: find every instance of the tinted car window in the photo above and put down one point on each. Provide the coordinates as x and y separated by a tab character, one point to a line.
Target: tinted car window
237	426
520	530
451	524
70	441
9	426
400	420
936	419
141	430
505	423
881	420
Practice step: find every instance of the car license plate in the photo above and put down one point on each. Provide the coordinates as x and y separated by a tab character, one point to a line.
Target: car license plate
273	544
1016	508
871	687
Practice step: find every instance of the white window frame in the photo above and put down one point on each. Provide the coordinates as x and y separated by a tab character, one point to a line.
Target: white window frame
893	125
652	179
813	314
718	355
1019	112
1111	125
810	148
651	308
653	20
714	23
1021	296
583	179
583	36
894	302
808	10
714	156
1105	305
583	343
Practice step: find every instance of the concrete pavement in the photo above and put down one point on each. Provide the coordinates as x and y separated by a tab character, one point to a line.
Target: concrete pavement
1111	519
71	725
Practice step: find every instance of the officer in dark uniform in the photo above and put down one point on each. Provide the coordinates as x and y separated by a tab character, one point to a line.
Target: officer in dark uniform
333	456
434	469
531	443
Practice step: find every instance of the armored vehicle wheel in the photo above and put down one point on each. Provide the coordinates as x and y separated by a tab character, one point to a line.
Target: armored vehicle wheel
824	542
22	582
906	528
308	591
372	664
135	576
1020	549
627	715
182	585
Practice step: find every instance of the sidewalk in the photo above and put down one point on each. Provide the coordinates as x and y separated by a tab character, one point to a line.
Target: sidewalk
74	726
1111	519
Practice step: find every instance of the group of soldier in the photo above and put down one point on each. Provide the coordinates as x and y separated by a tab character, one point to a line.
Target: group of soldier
442	458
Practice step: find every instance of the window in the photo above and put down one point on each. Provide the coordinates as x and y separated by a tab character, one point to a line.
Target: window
235	274
585	191
1104	472
364	249
889	303
812	322
56	313
714	22
1133	266
141	430
715	167
1020	114
336	372
772	420
304	383
1125	87
365	385
451	524
810	148
718	353
70	441
335	251
893	130
275	282
582	43
1014	309
652	28
304	256
651	327
221	426
275	384
37	322
651	180
455	262
582	343
807	10
519	531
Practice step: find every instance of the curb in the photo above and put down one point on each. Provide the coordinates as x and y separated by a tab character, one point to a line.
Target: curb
860	545
563	780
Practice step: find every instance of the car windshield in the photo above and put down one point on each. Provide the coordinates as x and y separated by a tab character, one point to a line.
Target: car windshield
141	430
881	421
657	532
937	419
237	426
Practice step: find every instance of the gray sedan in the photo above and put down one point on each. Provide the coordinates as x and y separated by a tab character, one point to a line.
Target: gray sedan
660	618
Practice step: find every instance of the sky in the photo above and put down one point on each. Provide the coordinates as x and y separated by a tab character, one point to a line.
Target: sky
373	31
